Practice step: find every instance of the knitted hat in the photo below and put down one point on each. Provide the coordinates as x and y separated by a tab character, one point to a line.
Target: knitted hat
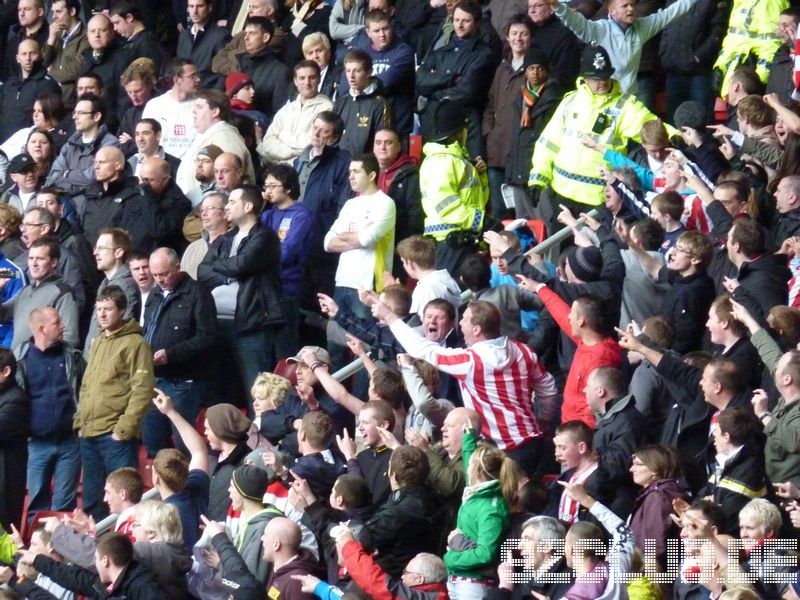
211	151
235	82
21	163
586	263
251	482
536	56
228	423
320	353
690	114
449	118
595	63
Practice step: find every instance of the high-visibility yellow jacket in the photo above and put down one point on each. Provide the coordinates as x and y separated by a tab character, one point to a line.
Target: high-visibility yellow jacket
454	194
751	30
561	161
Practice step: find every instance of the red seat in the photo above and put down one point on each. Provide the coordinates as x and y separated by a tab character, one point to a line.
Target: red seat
720	110
286	369
415	147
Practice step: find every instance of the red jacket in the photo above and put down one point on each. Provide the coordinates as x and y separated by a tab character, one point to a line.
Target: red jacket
606	353
378	585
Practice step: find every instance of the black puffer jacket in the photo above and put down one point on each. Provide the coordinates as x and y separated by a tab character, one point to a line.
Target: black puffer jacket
698	33
271	79
121	205
18	96
403	527
256	266
764	280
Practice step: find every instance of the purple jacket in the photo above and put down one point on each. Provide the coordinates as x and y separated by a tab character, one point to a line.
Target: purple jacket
294	227
650	518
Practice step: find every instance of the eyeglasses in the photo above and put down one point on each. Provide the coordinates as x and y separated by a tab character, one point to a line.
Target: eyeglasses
194	75
105	248
26	225
84	113
272	186
681	249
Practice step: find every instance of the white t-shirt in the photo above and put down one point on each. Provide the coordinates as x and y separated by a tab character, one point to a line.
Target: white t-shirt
437	284
177	122
373	217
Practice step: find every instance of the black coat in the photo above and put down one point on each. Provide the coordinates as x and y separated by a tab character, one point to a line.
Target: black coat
698	33
162	223
763	281
460	71
16	35
563	49
784	226
781	79
686	307
743	478
220	473
518	164
330	83
617	436
109	67
145	44
135	583
121	205
15	422
18	96
202	50
688	423
407	197
403	527
186	329
272	79
256	266
318	21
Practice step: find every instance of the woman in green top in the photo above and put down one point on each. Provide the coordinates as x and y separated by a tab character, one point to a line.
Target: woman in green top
474	546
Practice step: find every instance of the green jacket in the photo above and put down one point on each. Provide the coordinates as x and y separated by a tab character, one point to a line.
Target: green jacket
118	384
782	450
483	518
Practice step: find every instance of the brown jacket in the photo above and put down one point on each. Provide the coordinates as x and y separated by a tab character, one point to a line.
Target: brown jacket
65	62
499	116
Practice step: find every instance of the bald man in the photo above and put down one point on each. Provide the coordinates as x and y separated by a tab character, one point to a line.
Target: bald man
168	205
20	91
180	324
53	449
74	168
228	172
281	543
447	465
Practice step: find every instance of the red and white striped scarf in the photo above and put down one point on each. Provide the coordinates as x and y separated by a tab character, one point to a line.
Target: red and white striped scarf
567	507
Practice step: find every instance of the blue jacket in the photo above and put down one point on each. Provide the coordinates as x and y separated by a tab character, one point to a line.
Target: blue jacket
326	191
11	289
294	226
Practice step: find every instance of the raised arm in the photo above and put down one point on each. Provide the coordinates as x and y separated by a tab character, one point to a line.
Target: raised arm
188	434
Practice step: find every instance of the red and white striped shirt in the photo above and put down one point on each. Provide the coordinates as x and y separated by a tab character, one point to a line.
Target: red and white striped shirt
499	379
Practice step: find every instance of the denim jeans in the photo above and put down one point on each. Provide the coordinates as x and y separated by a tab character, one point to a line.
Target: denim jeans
287	341
101	455
255	353
48	459
188	397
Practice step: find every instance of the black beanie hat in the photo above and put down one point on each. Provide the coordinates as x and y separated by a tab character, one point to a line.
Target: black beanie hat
536	56
690	114
251	482
586	263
